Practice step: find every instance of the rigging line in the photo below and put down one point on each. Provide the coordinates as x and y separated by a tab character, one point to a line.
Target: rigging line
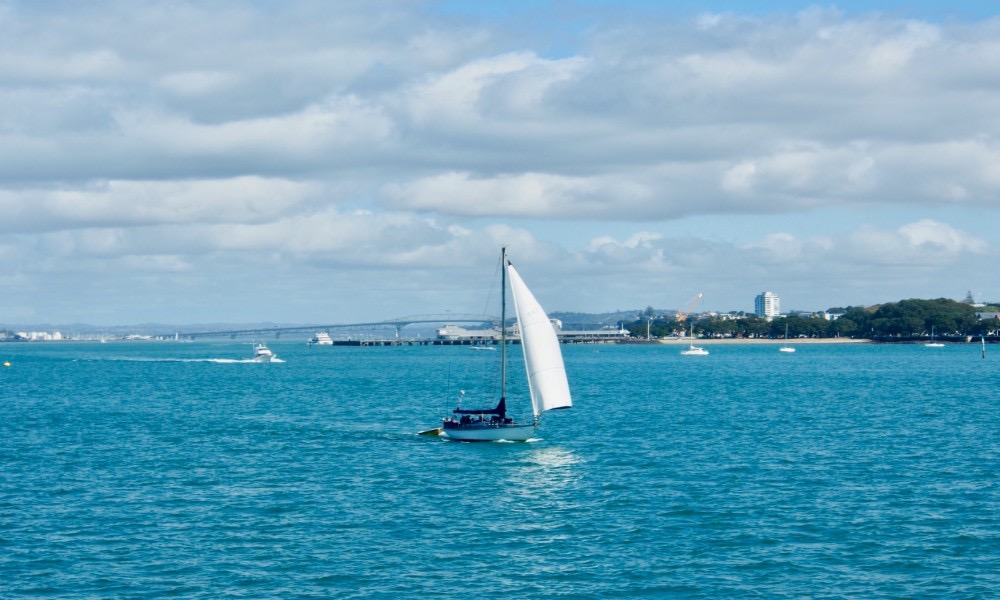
491	294
447	387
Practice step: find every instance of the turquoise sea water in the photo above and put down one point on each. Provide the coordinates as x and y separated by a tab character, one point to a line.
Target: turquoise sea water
146	470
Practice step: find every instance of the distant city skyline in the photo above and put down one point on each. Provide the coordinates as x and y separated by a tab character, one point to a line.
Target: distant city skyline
306	160
766	304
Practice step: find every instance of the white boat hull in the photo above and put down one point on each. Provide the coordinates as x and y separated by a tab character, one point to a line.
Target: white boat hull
262	353
321	339
490	433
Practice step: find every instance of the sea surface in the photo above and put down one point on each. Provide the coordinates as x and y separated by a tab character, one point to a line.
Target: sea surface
165	469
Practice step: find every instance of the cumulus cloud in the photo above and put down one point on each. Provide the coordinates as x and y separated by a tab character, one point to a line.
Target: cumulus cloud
187	145
145	203
488	93
867	265
924	242
537	195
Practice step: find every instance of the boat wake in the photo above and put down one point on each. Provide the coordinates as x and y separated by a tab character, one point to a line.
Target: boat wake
223	361
236	360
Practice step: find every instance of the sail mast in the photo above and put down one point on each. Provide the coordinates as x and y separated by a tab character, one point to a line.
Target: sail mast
503	322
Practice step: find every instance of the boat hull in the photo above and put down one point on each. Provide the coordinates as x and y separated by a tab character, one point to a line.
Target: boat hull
262	353
489	433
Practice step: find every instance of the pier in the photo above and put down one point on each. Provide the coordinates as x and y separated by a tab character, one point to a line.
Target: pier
441	342
336	330
415	342
392	332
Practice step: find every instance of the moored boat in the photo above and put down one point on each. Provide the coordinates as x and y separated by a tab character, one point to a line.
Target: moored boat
785	347
321	338
694	351
932	343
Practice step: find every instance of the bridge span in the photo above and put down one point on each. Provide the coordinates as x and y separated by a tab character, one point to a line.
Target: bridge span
337	330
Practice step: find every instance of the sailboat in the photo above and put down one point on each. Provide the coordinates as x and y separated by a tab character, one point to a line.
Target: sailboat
932	343
692	349
543	364
785	347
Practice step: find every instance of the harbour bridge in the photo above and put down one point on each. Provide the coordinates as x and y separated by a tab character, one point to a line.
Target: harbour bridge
341	330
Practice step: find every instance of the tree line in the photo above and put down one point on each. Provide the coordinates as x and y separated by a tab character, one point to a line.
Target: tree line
903	320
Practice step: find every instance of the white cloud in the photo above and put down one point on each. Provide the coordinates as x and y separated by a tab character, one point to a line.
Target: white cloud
896	52
454	95
378	145
306	137
523	195
924	242
145	203
639	249
198	82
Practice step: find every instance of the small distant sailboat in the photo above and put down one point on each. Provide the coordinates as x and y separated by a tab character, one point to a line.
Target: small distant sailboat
693	350
932	343
543	363
785	347
982	340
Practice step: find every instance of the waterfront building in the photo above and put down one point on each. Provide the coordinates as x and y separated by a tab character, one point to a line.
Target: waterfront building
38	336
767	305
454	334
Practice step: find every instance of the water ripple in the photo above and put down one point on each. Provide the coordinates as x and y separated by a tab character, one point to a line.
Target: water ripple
847	472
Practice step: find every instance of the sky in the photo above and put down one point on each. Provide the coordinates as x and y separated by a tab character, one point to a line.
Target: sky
340	162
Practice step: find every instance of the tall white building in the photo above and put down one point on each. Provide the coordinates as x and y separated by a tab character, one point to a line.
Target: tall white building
767	305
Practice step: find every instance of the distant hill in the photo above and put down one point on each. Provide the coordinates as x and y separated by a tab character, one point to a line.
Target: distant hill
585	321
141	328
570	320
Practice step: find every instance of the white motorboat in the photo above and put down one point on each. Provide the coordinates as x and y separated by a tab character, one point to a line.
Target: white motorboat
262	353
321	338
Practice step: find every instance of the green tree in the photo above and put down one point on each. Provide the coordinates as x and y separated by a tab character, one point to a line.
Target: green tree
842	327
917	318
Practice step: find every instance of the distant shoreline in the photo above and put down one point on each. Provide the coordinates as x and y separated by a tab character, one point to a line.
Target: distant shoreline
790	342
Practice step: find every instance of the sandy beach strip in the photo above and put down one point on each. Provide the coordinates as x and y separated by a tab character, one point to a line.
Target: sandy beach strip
736	341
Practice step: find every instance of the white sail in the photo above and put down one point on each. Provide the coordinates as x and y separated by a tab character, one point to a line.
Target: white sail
542	355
